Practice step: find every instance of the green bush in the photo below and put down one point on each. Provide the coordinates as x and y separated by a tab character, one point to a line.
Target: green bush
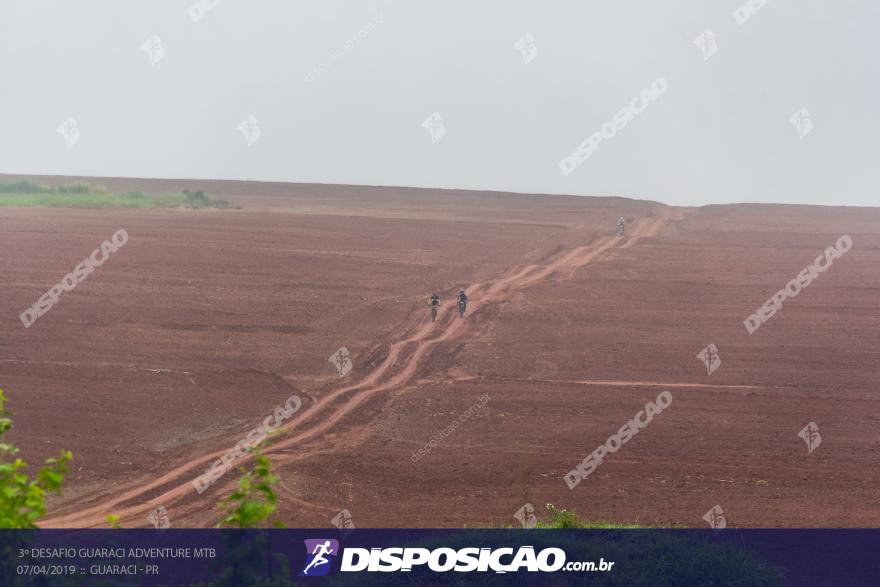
73	188
200	200
254	501
23	187
22	499
570	519
198	196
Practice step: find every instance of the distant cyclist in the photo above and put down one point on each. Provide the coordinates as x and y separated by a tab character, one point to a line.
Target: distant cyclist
621	226
462	302
435	303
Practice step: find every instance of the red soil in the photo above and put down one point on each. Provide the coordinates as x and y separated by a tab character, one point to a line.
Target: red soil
188	337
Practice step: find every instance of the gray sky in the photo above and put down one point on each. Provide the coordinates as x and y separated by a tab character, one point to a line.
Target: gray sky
340	88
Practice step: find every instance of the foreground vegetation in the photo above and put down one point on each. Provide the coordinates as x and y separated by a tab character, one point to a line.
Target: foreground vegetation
22	498
86	195
566	519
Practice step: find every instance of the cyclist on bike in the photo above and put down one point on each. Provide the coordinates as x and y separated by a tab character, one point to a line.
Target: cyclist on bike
435	302
462	302
621	225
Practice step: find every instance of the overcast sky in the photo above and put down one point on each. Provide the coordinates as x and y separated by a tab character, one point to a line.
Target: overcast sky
339	91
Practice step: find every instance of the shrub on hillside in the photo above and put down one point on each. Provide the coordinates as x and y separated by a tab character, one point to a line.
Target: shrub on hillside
23	499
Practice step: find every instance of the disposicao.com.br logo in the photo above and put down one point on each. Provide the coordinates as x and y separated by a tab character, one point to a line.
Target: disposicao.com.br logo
464	560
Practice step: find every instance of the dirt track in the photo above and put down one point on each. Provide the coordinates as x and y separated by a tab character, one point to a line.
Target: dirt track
166	360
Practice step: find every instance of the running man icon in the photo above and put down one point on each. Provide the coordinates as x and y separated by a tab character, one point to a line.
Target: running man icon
321	554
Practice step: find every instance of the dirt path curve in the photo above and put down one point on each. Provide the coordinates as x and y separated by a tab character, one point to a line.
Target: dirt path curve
399	367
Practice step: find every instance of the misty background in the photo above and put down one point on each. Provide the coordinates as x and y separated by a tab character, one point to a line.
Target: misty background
339	91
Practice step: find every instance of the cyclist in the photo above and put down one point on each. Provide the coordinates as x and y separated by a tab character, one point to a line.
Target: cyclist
462	302
435	303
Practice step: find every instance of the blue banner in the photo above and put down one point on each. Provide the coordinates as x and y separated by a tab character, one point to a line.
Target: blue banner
668	557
